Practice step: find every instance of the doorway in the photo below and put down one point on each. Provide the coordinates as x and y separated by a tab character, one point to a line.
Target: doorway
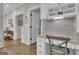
35	25
19	24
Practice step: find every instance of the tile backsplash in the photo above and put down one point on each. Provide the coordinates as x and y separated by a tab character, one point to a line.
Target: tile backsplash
63	27
60	27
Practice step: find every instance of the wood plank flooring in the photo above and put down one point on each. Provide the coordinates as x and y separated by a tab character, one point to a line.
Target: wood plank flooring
15	47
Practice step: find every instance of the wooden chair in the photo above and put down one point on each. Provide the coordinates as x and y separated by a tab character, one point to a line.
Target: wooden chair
8	35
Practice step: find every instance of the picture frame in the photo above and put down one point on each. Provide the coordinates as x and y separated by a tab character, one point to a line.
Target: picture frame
10	22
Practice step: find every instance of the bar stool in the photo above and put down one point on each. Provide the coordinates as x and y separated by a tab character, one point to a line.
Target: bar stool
58	49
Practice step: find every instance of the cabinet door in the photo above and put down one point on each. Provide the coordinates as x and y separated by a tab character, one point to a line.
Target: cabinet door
40	46
77	17
35	27
44	10
62	9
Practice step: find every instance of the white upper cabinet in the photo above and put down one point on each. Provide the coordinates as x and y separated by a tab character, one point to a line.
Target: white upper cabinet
57	9
63	9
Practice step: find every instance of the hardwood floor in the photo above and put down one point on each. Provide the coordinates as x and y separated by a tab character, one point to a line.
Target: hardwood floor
15	47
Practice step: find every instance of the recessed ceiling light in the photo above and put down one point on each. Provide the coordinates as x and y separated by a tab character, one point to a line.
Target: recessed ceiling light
58	17
7	6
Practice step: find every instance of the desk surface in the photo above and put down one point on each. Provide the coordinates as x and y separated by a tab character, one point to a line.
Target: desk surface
58	38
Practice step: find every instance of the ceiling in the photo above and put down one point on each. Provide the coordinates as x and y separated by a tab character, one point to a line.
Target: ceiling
9	7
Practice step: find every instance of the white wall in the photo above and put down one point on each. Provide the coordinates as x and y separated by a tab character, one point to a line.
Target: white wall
1	25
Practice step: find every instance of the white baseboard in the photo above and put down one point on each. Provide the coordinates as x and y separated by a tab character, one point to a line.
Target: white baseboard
25	42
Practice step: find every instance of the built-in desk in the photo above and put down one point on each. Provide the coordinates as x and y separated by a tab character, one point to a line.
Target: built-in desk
43	44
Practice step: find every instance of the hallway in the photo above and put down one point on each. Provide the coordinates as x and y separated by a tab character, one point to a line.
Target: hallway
18	48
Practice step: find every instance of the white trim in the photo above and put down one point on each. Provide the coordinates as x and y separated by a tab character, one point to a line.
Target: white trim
22	13
25	42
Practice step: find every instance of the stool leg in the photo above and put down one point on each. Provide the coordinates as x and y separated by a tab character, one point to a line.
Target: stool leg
50	48
66	48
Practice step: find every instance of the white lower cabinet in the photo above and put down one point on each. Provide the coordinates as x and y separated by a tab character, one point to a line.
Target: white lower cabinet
42	46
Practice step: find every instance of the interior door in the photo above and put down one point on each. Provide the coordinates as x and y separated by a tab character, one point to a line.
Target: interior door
35	26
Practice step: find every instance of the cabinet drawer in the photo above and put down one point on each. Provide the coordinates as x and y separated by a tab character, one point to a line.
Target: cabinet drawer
42	43
40	51
41	46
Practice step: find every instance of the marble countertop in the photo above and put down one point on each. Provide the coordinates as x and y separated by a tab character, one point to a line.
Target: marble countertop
74	38
73	43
